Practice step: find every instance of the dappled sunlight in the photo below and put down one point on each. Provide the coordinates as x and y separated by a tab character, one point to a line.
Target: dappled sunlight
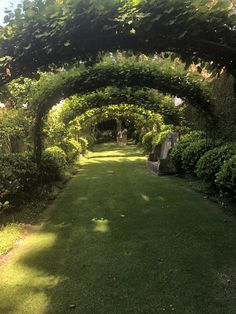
27	284
145	197
101	225
160	198
118	242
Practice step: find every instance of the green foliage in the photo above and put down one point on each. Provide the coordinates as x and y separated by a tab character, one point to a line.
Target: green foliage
40	33
72	149
192	153
141	117
146	98
161	136
226	177
57	133
18	173
59	154
84	144
15	126
50	167
147	140
179	148
211	162
127	72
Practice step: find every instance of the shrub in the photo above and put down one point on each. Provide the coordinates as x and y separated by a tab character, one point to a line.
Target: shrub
147	142
59	154
163	135
72	148
91	139
18	172
210	163
226	177
193	136
191	154
176	155
84	144
178	150
50	167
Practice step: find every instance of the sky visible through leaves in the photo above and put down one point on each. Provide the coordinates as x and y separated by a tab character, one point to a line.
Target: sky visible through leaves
6	4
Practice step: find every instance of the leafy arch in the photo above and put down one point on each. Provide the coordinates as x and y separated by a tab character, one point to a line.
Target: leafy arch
146	98
42	32
140	116
132	73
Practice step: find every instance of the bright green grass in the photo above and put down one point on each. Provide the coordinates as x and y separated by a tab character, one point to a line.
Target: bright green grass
120	240
8	236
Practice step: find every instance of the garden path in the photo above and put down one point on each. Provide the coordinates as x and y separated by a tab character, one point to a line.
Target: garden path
120	240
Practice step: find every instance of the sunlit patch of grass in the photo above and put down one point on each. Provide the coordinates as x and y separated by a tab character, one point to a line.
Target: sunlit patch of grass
8	236
120	240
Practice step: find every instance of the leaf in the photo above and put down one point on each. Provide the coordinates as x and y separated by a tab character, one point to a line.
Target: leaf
66	44
169	11
42	35
182	35
28	47
157	18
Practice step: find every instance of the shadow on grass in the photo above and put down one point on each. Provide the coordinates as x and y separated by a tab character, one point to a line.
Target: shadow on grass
135	243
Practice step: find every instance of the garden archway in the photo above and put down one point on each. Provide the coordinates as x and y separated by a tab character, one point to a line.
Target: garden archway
145	98
143	74
140	116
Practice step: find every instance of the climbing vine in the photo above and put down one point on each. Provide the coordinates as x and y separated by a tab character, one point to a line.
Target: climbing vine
156	74
42	33
143	97
142	118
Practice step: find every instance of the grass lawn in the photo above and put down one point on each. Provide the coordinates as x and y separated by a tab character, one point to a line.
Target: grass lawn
120	240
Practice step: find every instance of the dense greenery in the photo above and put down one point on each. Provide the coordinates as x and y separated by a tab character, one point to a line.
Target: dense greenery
146	98
120	72
192	153
15	130
41	33
141	118
210	163
20	175
226	178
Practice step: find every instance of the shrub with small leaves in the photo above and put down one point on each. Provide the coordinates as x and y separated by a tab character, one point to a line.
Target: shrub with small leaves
72	149
59	154
147	142
210	163
50	167
192	153
226	178
179	148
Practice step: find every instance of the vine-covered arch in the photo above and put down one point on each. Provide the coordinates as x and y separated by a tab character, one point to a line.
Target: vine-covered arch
43	32
145	98
137	74
140	116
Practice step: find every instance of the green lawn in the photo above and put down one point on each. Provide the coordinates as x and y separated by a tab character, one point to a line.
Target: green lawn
121	240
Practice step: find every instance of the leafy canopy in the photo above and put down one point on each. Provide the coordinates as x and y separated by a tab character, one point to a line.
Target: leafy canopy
40	33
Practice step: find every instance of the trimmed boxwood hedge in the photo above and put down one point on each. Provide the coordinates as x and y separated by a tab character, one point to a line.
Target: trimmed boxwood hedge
211	162
226	177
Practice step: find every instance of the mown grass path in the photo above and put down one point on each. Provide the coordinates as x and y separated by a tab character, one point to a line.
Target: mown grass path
120	240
